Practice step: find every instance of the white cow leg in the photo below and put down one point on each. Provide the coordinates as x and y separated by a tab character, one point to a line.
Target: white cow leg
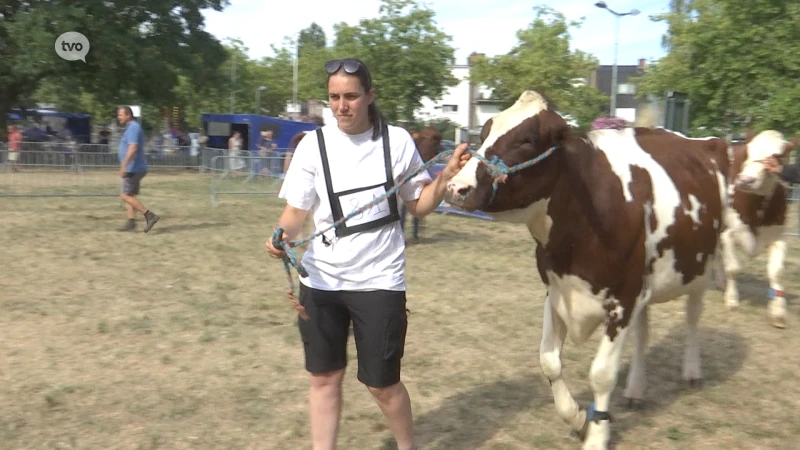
777	304
691	359
731	269
554	331
635	386
603	379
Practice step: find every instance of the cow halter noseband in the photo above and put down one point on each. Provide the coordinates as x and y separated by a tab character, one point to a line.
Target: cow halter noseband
499	171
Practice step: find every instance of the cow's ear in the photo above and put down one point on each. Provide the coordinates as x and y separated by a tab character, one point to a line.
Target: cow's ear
487	127
749	135
553	129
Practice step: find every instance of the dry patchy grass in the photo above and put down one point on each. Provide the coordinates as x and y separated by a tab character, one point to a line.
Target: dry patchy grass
182	338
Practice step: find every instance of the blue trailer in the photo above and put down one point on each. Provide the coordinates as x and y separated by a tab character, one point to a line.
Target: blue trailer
77	124
219	127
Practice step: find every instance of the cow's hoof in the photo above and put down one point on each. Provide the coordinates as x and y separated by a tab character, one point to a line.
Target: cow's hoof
696	383
779	322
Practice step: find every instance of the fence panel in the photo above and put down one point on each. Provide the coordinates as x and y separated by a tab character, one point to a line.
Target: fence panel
48	173
58	169
793	211
246	175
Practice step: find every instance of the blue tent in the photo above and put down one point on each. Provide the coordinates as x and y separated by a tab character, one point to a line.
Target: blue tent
219	127
79	125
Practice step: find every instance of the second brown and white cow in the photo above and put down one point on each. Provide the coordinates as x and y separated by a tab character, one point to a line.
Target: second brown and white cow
622	219
757	217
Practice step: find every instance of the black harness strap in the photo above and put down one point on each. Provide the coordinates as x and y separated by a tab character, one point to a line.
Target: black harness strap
333	197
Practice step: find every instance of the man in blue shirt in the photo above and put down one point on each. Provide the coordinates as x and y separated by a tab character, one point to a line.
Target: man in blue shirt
133	167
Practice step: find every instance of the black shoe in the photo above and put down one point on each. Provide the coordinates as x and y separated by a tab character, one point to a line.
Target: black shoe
151	220
130	225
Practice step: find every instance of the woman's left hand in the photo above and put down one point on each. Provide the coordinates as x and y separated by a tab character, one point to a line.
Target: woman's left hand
457	161
773	165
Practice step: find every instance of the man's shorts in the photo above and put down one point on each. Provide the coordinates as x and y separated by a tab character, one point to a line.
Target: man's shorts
131	182
379	320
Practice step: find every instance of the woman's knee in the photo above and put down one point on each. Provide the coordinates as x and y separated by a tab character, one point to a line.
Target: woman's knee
327	379
385	393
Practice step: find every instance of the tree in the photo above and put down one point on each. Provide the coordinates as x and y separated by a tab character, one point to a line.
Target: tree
543	60
738	62
312	53
406	53
312	37
138	51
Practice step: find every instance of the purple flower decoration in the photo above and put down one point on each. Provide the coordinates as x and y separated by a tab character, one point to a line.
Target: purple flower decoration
605	122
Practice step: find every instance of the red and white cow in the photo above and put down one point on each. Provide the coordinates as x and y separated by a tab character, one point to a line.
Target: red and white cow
622	219
756	221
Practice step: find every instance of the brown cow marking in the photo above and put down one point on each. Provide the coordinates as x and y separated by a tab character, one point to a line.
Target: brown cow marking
428	143
690	172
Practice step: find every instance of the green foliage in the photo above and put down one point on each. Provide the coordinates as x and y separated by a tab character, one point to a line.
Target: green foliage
138	52
406	52
739	62
310	38
543	60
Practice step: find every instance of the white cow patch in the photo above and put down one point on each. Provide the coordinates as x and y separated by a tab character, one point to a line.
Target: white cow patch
761	147
581	310
694	211
528	105
622	152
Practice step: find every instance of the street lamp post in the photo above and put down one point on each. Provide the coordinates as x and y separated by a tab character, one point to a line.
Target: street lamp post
258	99
295	76
633	12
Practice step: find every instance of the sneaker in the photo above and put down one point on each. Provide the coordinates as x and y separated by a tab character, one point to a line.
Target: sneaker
130	225
151	219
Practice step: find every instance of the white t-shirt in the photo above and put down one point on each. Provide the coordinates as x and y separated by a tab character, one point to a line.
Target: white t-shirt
364	261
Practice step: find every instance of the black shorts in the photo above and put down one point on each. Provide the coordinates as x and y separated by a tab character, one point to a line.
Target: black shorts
379	320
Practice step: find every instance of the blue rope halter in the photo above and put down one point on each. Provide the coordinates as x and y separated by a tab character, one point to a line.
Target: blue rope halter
495	166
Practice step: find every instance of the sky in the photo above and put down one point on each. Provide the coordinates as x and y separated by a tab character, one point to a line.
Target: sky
474	25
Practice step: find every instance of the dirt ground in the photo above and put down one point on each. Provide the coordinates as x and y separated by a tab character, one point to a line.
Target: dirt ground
182	339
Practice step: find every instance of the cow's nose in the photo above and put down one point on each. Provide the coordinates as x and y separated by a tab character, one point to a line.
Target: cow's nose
458	189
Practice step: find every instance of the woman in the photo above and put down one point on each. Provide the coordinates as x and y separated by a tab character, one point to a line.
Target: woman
236	163
356	272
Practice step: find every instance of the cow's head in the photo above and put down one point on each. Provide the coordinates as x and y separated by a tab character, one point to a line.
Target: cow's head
518	134
753	176
429	143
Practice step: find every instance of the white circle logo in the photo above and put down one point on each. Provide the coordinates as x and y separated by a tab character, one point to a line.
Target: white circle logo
72	46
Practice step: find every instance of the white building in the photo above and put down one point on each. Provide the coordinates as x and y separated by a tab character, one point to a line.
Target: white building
455	105
466	105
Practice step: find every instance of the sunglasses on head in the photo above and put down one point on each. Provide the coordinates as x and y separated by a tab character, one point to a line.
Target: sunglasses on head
350	65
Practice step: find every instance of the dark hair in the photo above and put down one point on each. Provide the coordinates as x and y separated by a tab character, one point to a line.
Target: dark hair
374	114
127	110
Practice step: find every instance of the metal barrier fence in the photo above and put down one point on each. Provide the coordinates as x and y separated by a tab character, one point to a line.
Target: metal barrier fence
46	169
793	211
54	153
246	175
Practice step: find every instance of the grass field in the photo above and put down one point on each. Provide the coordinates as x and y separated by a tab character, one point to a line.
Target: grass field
183	339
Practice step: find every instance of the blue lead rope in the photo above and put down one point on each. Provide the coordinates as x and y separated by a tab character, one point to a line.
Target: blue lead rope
496	168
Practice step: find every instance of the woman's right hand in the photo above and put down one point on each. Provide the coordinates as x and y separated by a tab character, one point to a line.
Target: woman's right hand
273	251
